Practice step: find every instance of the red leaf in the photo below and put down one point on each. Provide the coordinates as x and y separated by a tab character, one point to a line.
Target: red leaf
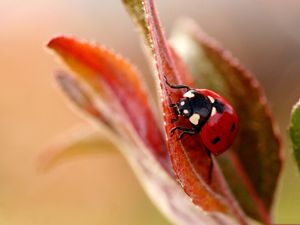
119	85
253	165
189	159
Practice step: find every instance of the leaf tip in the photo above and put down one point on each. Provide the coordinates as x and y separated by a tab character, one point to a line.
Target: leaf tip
52	42
58	40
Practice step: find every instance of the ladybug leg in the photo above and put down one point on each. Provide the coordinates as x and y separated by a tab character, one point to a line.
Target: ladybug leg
189	132
176	86
174	106
211	166
185	131
172	131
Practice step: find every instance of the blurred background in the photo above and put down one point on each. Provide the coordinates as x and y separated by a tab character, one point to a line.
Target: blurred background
101	189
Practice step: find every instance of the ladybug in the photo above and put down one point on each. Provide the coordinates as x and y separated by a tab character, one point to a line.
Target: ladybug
209	114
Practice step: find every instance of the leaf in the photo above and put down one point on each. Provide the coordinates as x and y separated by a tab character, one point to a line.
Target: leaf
79	142
161	187
189	159
137	12
169	197
125	100
156	179
253	165
294	132
83	99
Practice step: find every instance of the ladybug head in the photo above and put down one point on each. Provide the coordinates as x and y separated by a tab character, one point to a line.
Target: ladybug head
184	108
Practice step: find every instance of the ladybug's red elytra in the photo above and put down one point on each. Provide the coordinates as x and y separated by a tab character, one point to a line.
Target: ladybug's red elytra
209	114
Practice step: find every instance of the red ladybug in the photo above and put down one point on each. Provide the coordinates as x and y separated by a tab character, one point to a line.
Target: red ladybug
210	114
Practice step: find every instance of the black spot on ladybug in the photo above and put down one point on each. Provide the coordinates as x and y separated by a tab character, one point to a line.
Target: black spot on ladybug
216	140
232	127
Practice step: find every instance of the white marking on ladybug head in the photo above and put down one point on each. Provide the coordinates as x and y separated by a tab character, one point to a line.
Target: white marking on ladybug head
211	99
185	111
213	111
194	119
189	94
182	103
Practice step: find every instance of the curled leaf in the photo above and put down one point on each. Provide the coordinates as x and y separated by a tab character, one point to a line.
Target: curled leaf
189	158
294	132
253	165
118	85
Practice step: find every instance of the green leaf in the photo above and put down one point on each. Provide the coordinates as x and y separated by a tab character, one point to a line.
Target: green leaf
253	165
294	132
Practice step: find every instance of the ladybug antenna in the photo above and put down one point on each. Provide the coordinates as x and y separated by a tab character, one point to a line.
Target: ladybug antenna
176	86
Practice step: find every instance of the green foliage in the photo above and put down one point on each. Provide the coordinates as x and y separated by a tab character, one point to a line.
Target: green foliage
294	132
